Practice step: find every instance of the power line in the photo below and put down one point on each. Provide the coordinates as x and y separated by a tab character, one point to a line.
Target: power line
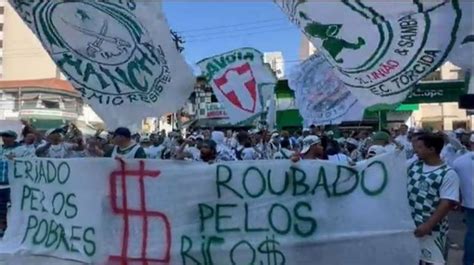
232	25
274	25
237	35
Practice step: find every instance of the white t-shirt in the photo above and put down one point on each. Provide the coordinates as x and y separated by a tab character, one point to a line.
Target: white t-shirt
449	154
196	153
62	150
283	154
449	189
154	152
28	151
339	158
464	167
249	153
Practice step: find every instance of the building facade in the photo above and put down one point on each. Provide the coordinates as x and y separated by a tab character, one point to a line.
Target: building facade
443	115
2	22
31	85
276	62
306	48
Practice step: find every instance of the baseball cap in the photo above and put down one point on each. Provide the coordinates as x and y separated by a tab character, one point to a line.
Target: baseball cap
381	136
122	131
53	131
352	141
376	150
460	131
472	138
9	133
309	141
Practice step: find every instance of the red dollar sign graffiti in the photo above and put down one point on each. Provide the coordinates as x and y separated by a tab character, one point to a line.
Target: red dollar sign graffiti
146	215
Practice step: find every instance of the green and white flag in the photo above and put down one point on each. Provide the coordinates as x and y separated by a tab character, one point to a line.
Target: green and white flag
118	54
238	79
380	49
321	97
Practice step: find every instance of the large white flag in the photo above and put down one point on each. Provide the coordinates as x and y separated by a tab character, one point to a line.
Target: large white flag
118	54
238	79
380	49
321	97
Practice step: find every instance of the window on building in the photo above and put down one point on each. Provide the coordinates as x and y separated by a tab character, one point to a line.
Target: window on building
434	76
459	124
1	43
49	104
1	26
460	73
2	10
214	99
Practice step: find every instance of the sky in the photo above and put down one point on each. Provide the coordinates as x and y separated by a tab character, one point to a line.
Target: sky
214	27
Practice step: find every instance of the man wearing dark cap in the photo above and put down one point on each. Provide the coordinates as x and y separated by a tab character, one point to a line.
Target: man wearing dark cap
125	147
10	146
56	147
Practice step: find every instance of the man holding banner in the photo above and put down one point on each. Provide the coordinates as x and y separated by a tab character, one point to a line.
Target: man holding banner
433	190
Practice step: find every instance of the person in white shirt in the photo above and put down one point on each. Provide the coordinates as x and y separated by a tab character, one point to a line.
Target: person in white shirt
381	138
403	140
156	148
375	150
9	150
56	147
192	149
452	148
433	191
335	154
464	167
284	152
29	145
125	147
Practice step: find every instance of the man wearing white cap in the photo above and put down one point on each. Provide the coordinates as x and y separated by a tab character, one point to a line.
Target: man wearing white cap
464	166
312	149
375	150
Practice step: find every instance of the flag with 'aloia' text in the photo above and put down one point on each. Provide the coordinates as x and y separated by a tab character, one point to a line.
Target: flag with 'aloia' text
240	80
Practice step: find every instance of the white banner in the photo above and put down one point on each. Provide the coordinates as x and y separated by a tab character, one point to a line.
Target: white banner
118	54
464	49
256	212
321	97
380	49
238	78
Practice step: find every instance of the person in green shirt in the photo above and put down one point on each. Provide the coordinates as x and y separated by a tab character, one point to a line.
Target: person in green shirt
124	146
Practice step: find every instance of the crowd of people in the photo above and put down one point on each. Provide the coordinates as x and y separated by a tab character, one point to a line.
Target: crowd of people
439	163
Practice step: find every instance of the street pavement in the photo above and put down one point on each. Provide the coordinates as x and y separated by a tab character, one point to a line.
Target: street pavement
457	230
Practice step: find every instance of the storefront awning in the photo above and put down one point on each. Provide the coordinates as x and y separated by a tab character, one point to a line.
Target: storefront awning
46	124
288	118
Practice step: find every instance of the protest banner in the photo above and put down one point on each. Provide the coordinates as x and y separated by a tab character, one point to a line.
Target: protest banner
119	55
238	79
104	211
322	98
380	50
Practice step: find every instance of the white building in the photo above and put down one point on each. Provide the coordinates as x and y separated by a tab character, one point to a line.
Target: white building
306	48
2	20
276	62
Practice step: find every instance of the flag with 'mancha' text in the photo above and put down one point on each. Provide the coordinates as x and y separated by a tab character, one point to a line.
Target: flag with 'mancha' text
119	55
